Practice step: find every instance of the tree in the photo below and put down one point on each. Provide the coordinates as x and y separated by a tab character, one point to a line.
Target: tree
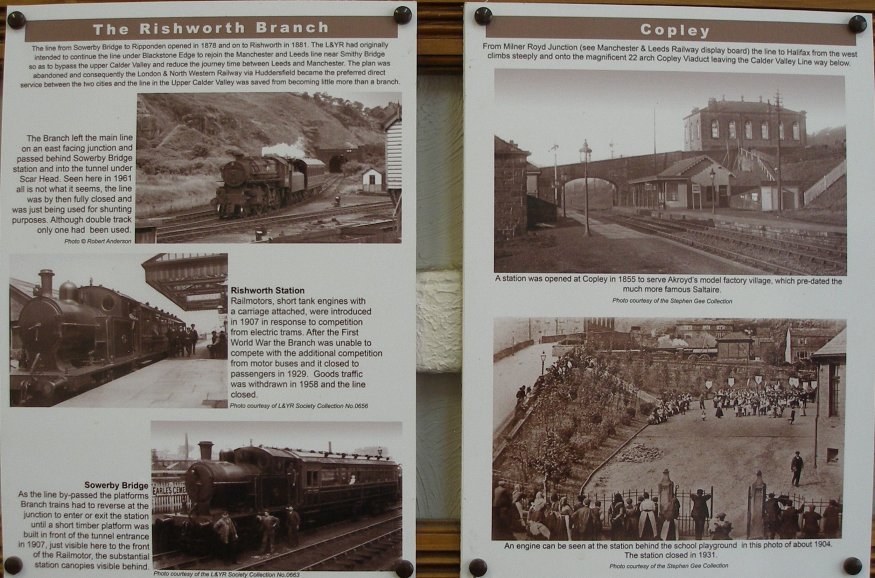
551	459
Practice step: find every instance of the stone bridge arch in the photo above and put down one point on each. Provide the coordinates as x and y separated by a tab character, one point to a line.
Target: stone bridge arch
618	172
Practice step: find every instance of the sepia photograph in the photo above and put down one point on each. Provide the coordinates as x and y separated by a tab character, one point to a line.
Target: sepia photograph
119	330
668	429
698	173
281	496
269	167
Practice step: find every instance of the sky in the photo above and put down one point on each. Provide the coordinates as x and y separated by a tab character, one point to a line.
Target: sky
121	272
344	436
540	108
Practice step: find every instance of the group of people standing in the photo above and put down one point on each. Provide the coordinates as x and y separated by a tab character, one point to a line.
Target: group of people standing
772	401
781	519
218	346
670	403
557	518
181	341
227	539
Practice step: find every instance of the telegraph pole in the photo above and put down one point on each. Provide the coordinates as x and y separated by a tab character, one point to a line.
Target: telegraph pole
780	136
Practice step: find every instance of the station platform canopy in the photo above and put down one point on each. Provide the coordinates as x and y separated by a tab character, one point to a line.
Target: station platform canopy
194	281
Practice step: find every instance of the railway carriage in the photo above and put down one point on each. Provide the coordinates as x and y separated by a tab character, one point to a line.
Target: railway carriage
84	337
253	185
321	486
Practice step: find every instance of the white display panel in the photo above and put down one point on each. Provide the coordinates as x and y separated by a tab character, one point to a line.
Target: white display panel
205	241
645	313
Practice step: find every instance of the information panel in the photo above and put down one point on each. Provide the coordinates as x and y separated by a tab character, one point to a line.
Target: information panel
666	257
211	288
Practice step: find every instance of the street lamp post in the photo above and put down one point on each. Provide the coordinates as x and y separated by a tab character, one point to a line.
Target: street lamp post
586	155
543	359
555	148
562	180
713	176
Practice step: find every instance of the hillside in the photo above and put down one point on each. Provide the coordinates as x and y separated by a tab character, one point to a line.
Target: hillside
183	139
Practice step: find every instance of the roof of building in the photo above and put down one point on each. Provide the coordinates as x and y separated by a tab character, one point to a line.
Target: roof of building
684	166
836	346
735	336
742	106
395	117
508	147
811	332
682	169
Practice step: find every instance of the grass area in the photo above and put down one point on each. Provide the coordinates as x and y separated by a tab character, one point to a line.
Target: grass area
159	195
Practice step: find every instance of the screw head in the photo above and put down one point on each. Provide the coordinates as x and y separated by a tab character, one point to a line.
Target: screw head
404	569
403	15
483	16
13	564
857	24
16	20
478	567
853	566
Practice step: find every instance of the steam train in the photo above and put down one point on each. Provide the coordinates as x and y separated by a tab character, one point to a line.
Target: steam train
84	337
254	185
321	486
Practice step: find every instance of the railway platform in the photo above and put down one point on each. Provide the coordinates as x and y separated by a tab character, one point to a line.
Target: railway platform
185	382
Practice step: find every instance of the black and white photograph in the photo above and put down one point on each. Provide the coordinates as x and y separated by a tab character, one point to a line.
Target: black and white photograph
671	429
269	167
276	496
119	330
669	172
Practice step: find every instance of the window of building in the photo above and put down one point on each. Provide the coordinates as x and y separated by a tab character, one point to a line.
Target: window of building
796	131
715	128
764	130
834	387
672	195
832	455
731	129
748	129
781	130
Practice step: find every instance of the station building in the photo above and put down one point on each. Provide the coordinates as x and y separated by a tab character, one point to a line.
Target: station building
831	360
733	124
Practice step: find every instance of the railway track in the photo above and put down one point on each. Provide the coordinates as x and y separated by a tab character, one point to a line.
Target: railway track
176	560
367	548
793	254
270	222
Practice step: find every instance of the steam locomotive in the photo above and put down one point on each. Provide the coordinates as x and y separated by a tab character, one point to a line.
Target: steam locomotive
321	486
254	185
84	337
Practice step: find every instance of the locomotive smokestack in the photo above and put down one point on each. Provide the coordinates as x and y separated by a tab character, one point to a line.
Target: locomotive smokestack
206	450
45	276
